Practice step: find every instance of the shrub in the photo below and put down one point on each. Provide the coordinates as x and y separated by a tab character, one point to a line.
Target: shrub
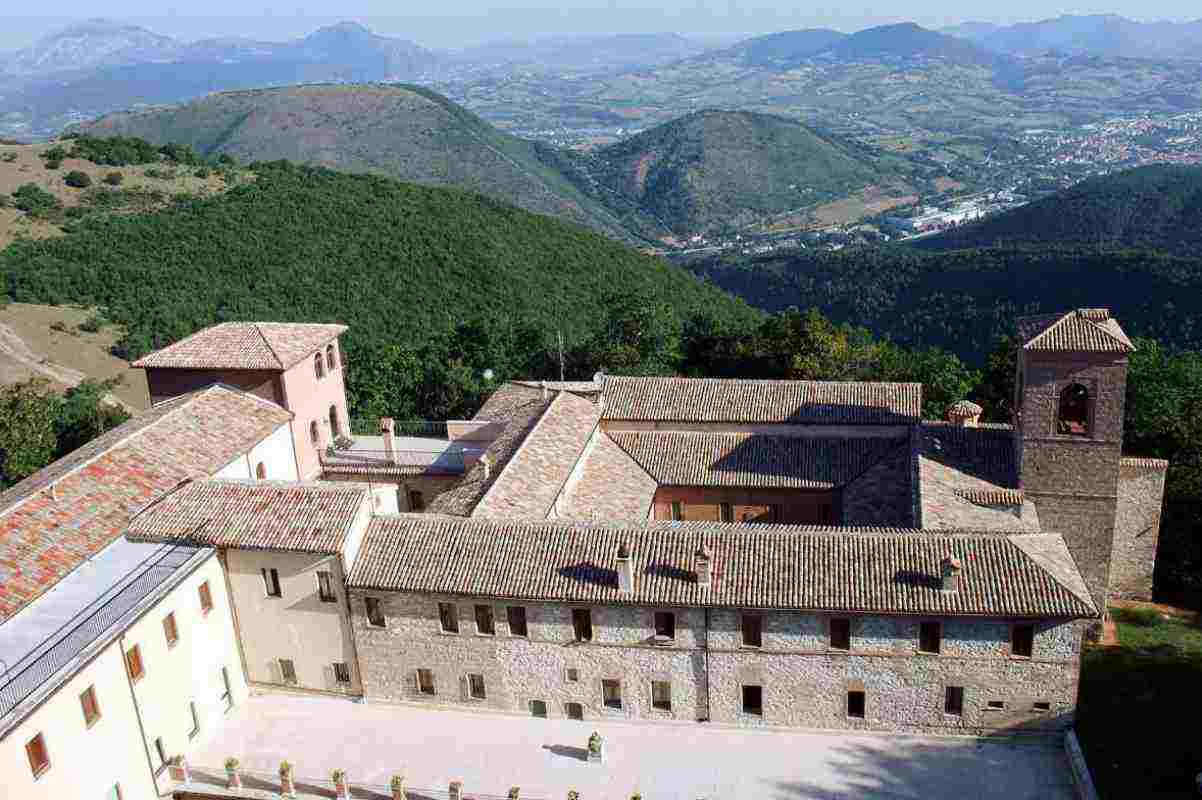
226	160
180	154
55	153
59	326
53	164
75	212
34	200
514	792
163	174
203	173
115	151
338	775
92	324
8	158
4	201
114	178
232	763
1143	617
77	179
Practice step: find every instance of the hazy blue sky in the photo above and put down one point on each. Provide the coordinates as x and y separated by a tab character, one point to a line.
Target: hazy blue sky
471	21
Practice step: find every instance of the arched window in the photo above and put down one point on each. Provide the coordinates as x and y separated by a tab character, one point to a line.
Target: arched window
261	471
314	433
334	430
1072	418
318	367
331	358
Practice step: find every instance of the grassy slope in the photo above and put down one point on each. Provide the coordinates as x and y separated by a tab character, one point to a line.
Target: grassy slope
402	131
392	260
715	167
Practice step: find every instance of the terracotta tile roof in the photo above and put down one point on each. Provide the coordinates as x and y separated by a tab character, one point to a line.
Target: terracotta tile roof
677	458
762	401
754	566
244	345
983	456
309	517
611	485
527	487
1089	330
57	518
1144	463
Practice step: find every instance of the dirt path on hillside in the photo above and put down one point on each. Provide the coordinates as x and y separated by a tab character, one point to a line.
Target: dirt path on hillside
15	348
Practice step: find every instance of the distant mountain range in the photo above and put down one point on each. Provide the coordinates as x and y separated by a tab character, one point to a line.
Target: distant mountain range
1093	35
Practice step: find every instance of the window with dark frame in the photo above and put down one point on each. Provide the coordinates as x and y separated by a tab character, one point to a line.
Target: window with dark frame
271	581
133	662
929	634
484	621
325	587
953	700
417	501
425	681
538	708
1072	417
855	704
375	613
677	510
573	710
1022	640
475	686
727	512
661	695
314	433
318	367
840	633
571	675
287	670
1041	705
206	598
448	617
516	616
582	624
665	625
996	705
753	700
331	358
39	757
611	693
342	672
335	428
753	630
195	720
170	631
91	709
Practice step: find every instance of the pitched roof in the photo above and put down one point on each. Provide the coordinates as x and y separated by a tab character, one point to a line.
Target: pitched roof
678	458
60	516
611	485
244	345
886	571
309	517
1084	330
762	401
534	476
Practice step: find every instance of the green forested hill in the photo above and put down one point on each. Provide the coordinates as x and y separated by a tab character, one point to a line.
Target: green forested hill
1157	207
402	131
725	167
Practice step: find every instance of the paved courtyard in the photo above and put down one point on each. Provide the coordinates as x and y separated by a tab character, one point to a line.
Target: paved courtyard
689	761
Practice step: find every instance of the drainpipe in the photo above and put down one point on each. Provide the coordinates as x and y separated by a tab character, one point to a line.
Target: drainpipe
154	779
705	654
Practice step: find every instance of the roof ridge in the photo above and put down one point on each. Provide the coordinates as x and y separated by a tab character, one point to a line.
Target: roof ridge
520	448
270	349
1077	314
1081	593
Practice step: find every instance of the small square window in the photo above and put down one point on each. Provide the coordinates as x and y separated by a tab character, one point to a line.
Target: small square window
855	705
538	708
753	629
133	662
195	720
611	693
287	670
996	705
727	512
417	502
448	617
475	686
425	681
953	700
929	635
572	675
840	634
484	621
375	613
170	630
582	624
1022	640
573	710
665	626
753	700
325	587
91	709
661	695
39	757
516	615
1041	706
271	582
206	598
342	673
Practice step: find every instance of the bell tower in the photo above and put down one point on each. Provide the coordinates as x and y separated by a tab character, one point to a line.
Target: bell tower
1070	391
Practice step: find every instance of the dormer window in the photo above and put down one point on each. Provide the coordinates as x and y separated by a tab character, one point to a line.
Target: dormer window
331	358
318	366
1072	417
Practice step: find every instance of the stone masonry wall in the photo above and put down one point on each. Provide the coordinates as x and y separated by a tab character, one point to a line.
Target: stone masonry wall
1136	531
804	681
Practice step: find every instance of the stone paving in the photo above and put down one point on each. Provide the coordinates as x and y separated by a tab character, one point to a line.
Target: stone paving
684	761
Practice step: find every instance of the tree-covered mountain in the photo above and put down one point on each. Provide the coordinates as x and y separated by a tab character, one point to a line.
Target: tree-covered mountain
1157	207
783	50
1108	35
908	40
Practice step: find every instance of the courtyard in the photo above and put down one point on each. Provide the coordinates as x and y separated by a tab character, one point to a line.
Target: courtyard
547	757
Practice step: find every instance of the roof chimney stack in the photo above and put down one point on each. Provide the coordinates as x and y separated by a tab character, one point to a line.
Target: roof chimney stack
950	568
964	413
702	560
625	568
386	425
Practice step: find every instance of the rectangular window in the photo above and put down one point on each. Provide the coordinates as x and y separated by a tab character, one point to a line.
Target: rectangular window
665	626
753	700
325	587
425	681
375	614
727	512
1041	705
161	751
133	662
475	686
538	708
929	634
996	705
953	700
91	709
574	710
39	757
517	620
287	670
484	621
448	617
271	582
855	705
582	624
206	598
571	675
611	693
416	501
1022	640
170	630
774	513
661	695
342	673
840	634
753	630
195	720
228	695
677	510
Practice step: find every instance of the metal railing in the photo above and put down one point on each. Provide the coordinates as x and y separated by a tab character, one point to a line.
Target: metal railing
449	461
24	677
203	775
424	428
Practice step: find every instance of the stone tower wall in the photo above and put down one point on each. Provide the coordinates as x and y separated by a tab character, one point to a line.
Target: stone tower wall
1137	527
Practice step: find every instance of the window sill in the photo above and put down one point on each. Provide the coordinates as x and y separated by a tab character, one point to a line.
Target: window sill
448	633
751	647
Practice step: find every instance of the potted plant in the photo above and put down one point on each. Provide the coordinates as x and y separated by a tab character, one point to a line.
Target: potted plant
514	792
342	789
287	784
178	768
397	784
233	779
573	794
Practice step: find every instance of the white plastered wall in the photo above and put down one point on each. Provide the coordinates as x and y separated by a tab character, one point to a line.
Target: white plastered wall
275	453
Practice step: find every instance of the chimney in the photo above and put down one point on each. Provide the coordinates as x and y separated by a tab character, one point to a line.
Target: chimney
701	567
389	443
950	568
625	568
964	413
486	462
